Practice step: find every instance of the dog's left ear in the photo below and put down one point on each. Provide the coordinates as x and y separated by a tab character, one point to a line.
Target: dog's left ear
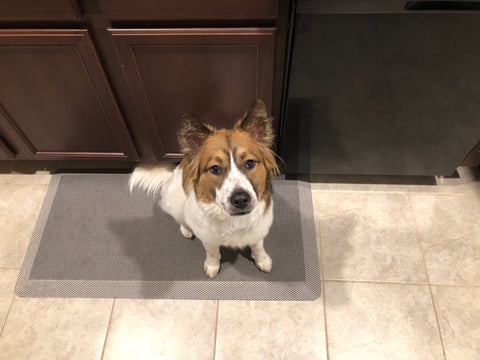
258	123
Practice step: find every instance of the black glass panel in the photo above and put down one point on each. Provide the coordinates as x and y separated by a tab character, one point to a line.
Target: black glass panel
383	93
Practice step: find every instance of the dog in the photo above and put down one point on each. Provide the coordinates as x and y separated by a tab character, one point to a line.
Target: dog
221	192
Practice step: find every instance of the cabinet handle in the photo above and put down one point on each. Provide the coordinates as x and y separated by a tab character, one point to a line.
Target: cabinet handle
7	150
442	5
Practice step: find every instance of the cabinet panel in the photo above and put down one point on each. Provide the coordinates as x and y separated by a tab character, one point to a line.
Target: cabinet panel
214	74
57	97
38	10
189	10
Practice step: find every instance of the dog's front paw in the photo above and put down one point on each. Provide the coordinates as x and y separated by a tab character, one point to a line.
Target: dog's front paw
264	263
211	270
186	233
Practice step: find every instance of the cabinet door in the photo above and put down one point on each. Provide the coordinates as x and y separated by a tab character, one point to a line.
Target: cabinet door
56	98
213	74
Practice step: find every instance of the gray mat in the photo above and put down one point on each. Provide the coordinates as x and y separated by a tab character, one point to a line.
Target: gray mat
95	239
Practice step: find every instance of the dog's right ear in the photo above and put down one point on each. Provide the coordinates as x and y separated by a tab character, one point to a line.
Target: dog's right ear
192	135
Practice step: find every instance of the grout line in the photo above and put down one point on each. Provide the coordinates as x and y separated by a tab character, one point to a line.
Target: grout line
384	282
384	192
43	183
419	193
9	268
359	191
439	329
454	285
6	316
325	320
318	240
215	337
108	329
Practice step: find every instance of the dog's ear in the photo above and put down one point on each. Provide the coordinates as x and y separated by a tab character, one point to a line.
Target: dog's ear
258	124
192	135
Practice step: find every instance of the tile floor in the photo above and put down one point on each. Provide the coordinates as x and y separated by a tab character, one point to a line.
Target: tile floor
400	265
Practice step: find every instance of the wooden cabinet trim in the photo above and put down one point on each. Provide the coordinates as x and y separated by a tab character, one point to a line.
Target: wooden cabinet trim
267	31
5	150
24	147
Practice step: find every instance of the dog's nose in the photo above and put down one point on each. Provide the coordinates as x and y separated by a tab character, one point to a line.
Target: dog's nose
240	199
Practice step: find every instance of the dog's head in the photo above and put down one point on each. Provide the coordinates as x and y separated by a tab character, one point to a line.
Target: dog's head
231	169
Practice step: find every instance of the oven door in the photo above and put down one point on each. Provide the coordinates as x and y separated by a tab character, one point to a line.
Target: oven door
382	87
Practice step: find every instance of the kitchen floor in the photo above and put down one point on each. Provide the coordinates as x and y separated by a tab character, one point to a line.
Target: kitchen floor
400	267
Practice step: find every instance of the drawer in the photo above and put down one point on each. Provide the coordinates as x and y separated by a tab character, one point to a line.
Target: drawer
189	9
38	10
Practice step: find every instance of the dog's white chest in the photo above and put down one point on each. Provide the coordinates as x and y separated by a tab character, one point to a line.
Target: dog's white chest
214	226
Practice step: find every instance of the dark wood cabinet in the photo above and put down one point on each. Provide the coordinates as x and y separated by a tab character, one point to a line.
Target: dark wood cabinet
39	10
473	158
55	100
189	10
109	80
214	74
7	149
7	152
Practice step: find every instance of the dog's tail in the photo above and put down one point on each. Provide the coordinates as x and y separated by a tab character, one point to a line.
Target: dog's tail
150	177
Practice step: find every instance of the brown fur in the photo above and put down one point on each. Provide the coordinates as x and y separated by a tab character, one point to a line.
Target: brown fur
204	146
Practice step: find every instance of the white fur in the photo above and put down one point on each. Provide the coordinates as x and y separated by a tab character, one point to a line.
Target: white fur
150	177
234	180
212	222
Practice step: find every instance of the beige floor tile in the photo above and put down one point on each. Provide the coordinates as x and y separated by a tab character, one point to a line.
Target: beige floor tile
368	236
19	209
458	310
161	329
37	178
55	329
449	229
270	330
473	191
368	321
8	278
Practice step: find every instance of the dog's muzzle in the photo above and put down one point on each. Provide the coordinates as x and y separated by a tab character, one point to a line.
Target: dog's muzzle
240	201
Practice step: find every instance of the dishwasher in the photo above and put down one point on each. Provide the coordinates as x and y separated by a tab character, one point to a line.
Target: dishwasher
381	87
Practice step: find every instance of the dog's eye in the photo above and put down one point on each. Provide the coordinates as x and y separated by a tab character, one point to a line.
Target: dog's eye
250	164
215	170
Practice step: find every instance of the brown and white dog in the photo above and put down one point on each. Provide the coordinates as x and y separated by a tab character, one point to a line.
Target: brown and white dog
221	192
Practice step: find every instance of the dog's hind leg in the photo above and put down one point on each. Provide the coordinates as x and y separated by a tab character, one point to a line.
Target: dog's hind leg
212	262
262	259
